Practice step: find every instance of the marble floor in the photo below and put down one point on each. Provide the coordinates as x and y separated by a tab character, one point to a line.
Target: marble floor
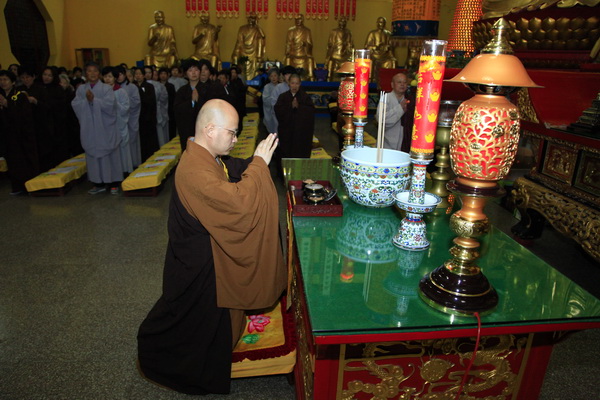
79	273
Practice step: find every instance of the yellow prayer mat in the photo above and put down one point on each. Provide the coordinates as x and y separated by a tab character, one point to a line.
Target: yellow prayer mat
244	148
156	168
251	119
149	174
268	345
67	171
254	92
319	153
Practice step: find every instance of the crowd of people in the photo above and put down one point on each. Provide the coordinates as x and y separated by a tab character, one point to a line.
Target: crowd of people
118	116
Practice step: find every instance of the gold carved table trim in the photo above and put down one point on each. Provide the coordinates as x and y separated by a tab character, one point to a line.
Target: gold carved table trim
568	216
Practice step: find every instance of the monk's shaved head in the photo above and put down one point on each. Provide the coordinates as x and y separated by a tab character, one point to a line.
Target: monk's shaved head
214	112
216	125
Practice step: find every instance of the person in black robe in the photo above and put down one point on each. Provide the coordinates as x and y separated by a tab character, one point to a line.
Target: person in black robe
148	134
163	77
58	113
295	113
17	133
239	92
73	129
44	131
190	98
223	77
408	121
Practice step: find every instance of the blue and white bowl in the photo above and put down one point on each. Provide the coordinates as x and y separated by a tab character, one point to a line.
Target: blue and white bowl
430	202
370	183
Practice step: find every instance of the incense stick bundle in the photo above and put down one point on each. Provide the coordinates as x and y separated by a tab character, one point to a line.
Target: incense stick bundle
381	126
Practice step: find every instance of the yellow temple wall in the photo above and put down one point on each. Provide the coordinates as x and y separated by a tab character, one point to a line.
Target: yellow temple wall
122	26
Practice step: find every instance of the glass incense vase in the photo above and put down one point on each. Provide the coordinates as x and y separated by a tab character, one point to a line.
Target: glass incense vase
412	232
362	71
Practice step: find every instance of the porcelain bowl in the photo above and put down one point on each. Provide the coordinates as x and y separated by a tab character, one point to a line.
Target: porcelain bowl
370	183
365	235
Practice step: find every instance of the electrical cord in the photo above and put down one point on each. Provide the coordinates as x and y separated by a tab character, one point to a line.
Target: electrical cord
466	374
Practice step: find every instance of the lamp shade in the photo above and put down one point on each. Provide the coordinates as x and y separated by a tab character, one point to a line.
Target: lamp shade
347	68
495	70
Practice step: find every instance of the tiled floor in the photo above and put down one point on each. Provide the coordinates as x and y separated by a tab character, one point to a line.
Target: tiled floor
79	273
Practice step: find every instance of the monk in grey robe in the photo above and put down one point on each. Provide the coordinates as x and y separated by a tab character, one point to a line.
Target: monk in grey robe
96	108
134	115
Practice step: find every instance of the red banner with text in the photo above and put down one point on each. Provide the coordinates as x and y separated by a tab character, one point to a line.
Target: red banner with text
260	8
344	8
287	8
317	9
227	8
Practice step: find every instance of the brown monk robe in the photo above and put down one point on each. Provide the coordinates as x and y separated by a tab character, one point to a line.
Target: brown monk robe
223	257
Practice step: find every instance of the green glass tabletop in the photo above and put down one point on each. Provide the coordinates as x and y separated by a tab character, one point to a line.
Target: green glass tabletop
356	281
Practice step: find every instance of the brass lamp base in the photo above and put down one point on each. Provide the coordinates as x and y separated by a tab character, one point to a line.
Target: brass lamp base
458	287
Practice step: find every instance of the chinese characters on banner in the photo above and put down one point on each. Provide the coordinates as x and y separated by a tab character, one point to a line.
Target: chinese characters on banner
228	8
345	8
196	7
362	68
416	10
288	8
317	9
430	78
415	18
258	7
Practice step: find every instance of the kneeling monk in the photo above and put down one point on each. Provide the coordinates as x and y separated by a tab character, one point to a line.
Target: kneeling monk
223	257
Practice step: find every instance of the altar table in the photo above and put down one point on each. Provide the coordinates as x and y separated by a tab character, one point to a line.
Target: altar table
364	333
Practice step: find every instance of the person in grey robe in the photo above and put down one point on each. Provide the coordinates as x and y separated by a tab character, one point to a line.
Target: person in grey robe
284	86
269	100
122	99
398	118
133	122
162	107
96	108
176	79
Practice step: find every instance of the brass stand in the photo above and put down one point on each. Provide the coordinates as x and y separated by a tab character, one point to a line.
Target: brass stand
346	104
458	286
346	129
442	175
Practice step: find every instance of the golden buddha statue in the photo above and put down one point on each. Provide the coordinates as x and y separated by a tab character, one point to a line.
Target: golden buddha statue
161	39
378	41
298	48
206	40
250	43
339	48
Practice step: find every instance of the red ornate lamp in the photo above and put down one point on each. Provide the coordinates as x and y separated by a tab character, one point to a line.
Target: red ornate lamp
483	144
346	102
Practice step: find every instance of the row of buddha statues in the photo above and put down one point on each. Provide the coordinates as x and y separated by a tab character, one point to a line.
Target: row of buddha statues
250	45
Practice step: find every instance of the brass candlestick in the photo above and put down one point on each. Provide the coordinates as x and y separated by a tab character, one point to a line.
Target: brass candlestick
346	103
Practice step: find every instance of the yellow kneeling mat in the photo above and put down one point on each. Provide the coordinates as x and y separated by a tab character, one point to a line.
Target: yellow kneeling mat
268	345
